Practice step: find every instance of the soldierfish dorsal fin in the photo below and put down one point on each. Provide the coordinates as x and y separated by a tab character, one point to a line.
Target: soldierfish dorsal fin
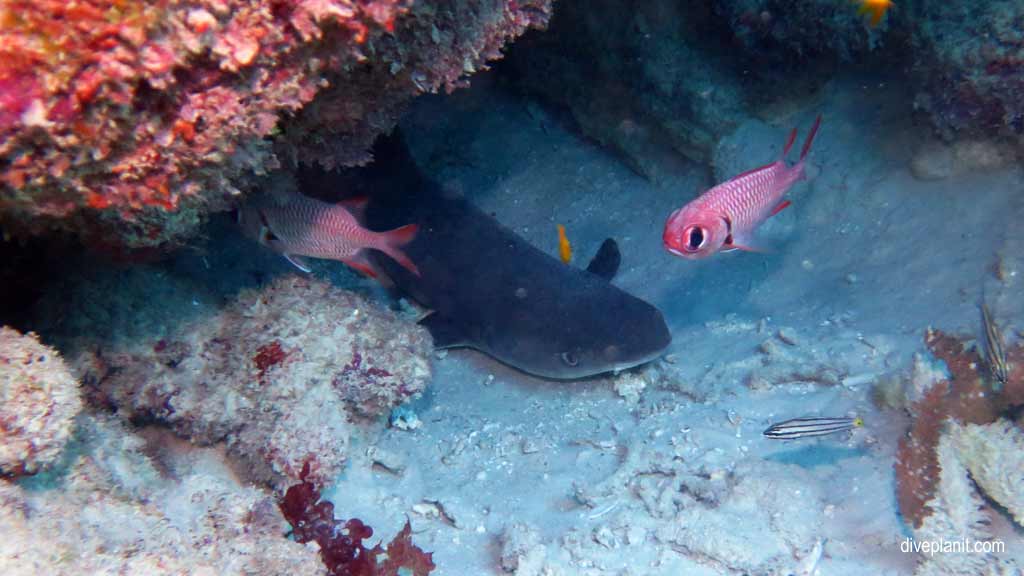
789	145
446	334
606	262
356	206
810	138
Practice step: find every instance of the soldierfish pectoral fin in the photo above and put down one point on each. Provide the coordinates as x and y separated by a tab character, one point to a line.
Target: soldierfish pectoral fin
267	238
606	262
782	206
299	262
732	243
446	334
745	248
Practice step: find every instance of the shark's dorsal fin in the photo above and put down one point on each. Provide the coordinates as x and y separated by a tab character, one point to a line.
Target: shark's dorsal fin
606	262
446	334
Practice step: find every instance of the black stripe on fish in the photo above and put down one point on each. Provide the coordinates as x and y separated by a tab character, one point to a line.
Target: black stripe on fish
810	427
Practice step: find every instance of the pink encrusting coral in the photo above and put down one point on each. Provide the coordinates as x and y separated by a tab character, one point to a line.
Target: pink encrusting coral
39	400
281	375
127	120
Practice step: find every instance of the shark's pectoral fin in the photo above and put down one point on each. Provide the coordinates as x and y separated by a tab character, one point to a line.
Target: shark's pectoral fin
446	333
299	262
606	262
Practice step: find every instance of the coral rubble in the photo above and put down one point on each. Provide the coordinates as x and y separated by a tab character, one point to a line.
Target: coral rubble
280	375
112	509
39	400
128	121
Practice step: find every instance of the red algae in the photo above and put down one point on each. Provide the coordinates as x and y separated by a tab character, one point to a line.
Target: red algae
269	355
341	541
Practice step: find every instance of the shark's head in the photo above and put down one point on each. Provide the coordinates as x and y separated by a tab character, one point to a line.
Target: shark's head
598	329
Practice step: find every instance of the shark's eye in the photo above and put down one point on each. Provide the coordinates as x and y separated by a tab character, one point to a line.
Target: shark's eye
695	237
570	359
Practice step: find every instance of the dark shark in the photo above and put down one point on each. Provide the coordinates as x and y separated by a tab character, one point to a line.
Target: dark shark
491	290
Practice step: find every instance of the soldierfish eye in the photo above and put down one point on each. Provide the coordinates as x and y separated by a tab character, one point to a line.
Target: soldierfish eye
570	359
695	237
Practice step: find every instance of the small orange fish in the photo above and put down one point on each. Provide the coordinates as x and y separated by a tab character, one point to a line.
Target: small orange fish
876	8
564	248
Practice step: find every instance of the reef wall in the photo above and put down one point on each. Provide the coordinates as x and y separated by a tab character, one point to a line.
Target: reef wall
662	78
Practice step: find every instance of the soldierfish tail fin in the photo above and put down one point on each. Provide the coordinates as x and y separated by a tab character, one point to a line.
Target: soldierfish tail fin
394	240
810	138
789	145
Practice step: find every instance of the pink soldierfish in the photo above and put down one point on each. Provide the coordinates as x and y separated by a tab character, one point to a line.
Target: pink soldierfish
725	217
297	226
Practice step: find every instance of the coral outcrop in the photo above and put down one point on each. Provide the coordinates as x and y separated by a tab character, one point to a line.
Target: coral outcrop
280	375
955	438
39	400
128	121
790	34
969	66
994	455
113	509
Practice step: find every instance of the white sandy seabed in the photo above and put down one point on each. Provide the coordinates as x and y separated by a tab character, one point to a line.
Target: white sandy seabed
664	470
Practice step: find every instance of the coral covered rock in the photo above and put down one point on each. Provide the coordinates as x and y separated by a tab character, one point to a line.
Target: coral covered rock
788	34
994	455
644	78
115	510
128	121
39	400
280	375
957	430
969	65
956	514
